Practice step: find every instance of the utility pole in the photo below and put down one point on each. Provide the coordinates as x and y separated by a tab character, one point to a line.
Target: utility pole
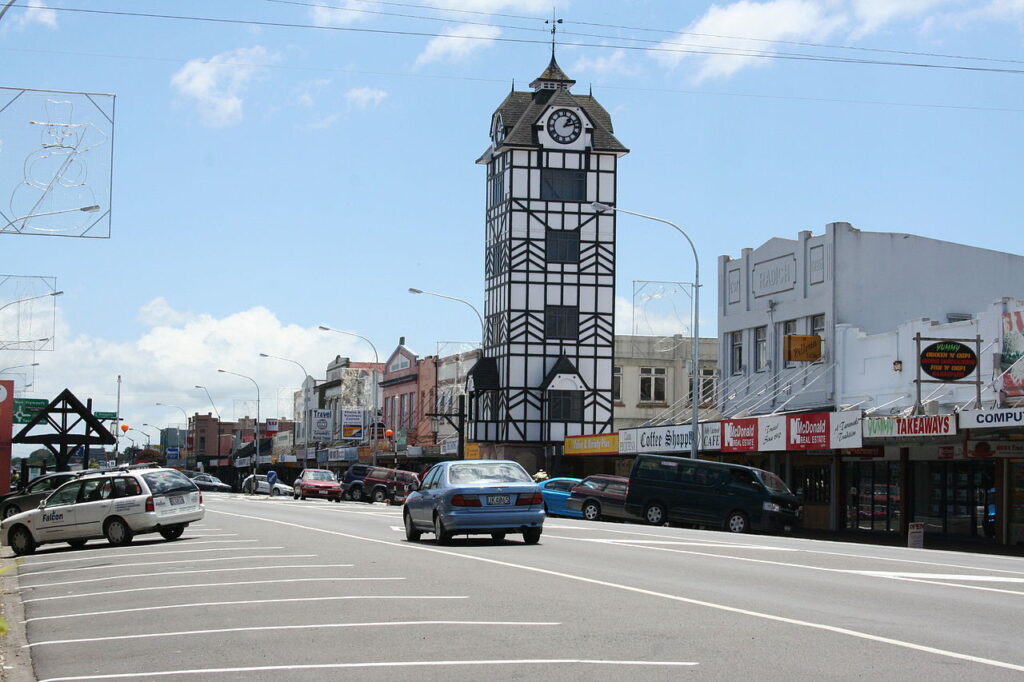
458	423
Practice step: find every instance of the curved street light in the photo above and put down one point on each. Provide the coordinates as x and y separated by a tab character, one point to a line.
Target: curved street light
694	372
256	459
305	375
217	412
184	414
483	329
374	418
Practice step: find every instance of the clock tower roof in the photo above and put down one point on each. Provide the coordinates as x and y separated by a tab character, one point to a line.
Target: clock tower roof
552	78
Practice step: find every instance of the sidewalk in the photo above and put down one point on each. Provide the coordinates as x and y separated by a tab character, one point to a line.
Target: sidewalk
16	661
897	540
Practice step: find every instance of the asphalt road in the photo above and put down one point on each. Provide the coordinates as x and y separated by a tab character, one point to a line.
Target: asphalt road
279	589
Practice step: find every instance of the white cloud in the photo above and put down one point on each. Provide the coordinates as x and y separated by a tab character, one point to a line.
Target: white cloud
497	5
217	85
613	63
872	15
363	98
458	43
338	13
36	13
166	362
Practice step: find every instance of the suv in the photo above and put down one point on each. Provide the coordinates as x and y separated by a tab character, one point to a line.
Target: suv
389	485
599	497
317	483
113	503
29	496
352	483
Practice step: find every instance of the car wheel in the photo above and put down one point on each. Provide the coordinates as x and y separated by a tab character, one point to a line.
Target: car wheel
441	535
497	537
531	536
411	532
592	511
117	532
736	522
347	496
11	510
655	514
338	500
357	495
77	544
172	533
380	496
21	541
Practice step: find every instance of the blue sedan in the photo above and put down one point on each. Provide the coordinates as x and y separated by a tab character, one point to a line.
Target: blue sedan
475	497
556	491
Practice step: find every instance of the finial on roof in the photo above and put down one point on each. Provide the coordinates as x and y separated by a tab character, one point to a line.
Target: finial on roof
554	22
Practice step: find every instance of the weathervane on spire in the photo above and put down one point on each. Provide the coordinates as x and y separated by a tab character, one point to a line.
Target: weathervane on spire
553	21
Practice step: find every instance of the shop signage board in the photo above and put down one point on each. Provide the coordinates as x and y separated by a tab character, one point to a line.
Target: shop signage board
472	450
948	361
915	535
243	462
352	423
739	435
845	429
808	431
599	444
320	424
910	427
669	439
711	436
991	419
628	442
801	347
994	448
272	426
771	432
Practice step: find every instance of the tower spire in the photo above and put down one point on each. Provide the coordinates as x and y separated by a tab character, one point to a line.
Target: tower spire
554	27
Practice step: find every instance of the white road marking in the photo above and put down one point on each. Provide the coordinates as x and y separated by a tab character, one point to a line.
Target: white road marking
662	595
94	557
278	628
153	563
941	576
195	585
696	543
238	603
148	575
1016	593
379	664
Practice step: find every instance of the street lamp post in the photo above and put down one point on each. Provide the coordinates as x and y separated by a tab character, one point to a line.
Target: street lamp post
217	412
305	414
255	462
373	380
181	450
483	329
159	433
694	373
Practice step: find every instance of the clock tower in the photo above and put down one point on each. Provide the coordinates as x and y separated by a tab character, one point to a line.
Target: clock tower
546	372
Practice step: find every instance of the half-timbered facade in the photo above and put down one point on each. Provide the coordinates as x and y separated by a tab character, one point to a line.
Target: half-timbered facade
550	268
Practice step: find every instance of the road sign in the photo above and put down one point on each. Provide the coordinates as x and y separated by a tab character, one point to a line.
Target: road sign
105	415
271	478
27	408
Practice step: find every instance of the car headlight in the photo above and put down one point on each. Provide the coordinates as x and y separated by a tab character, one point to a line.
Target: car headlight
771	506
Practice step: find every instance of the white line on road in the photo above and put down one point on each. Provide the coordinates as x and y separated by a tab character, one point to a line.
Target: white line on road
238	603
662	595
195	585
148	575
93	557
380	664
152	563
278	628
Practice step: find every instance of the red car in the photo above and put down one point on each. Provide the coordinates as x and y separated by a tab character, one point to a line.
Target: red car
318	483
600	497
388	485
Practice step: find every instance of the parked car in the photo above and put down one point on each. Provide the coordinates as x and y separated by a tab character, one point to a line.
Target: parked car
116	504
715	494
352	482
492	497
38	489
319	483
263	488
210	483
600	497
556	492
387	485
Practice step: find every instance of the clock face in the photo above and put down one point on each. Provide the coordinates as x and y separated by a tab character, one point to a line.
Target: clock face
498	130
564	126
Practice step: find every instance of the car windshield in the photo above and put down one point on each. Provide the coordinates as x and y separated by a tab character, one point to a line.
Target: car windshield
488	472
320	476
167	481
772	482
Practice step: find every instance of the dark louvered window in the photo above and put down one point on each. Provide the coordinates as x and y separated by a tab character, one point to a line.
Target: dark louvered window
565	406
563	246
561	322
560	184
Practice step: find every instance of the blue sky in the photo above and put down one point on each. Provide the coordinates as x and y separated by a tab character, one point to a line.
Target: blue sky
271	178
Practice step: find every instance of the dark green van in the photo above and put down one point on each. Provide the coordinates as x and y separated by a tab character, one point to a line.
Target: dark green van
692	491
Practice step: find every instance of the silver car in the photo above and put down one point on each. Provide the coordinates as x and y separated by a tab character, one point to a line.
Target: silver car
263	487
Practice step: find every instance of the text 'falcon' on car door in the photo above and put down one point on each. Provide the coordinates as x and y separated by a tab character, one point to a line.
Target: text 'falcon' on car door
57	519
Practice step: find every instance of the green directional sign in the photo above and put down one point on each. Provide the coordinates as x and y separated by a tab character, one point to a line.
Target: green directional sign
105	415
26	408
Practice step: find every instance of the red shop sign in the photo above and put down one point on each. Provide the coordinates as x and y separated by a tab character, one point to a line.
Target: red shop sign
808	431
739	435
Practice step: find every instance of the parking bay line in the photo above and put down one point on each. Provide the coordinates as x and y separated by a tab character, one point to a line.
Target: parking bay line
242	603
278	628
92	557
661	595
377	664
153	588
158	563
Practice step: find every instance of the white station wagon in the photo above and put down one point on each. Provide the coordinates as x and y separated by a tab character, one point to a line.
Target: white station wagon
113	503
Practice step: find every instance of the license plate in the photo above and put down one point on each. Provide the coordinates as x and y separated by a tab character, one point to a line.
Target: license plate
499	499
177	499
323	492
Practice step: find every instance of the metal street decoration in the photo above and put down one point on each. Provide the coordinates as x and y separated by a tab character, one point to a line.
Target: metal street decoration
72	425
948	361
56	162
28	313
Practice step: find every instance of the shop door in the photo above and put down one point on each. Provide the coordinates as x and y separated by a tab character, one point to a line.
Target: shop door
873	498
957	495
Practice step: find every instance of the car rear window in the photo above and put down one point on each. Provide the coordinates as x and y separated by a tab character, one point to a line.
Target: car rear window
167	481
488	472
320	476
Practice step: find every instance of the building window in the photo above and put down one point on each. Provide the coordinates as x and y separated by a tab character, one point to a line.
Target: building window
559	184
497	187
818	329
788	329
652	384
760	349
561	322
708	387
493	330
401	362
496	264
617	384
563	246
736	352
403	410
565	406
